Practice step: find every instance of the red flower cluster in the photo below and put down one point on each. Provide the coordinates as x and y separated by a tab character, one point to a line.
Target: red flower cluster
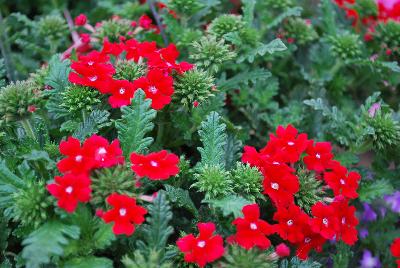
74	185
204	248
395	250
278	162
95	70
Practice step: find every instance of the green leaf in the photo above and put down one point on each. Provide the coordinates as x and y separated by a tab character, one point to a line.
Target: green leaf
376	189
157	230
89	262
180	198
58	73
243	79
46	242
213	136
92	124
103	236
392	65
261	49
294	11
275	45
297	263
231	204
248	11
9	184
232	151
135	124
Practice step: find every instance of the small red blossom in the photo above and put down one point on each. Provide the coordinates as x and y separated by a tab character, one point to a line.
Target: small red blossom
325	221
165	60
311	241
136	50
318	156
103	153
122	93
32	108
80	20
343	182
112	48
291	221
195	104
145	22
204	248
125	214
282	250
395	248
98	79
78	161
251	230
156	166
347	221
158	87
69	190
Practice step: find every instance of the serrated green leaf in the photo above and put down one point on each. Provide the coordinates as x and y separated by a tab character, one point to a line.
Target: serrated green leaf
294	11
89	262
92	124
181	198
243	79
9	184
230	205
392	65
378	188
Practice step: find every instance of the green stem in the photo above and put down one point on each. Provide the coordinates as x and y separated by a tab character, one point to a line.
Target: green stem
84	115
26	124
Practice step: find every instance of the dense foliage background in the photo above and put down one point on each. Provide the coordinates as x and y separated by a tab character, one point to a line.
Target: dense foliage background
329	68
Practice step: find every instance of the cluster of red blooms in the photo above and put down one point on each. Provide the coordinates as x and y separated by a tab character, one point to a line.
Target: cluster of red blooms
96	152
95	70
395	250
387	10
277	161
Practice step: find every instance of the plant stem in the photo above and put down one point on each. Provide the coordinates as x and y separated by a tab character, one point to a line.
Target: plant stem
26	124
158	21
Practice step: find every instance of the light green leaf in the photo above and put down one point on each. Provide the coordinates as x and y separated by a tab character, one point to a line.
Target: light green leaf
230	205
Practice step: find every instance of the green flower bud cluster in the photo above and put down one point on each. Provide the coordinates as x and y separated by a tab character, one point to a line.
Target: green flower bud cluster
300	30
346	46
129	70
79	98
214	182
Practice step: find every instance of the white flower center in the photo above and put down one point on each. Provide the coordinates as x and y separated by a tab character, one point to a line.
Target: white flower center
253	226
343	220
290	222
325	221
121	90
169	64
153	163
153	89
274	186
342	182
201	244
290	143
78	158
318	156
102	150
276	163
93	78
69	190
90	63
307	240
122	212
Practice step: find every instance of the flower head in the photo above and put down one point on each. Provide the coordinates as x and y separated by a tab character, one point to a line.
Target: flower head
78	161
318	156
347	221
122	92
103	153
325	221
291	221
343	182
80	20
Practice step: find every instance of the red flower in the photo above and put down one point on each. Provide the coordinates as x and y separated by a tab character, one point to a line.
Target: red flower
69	190
395	248
318	156
254	158
282	250
251	230
291	221
158	87
96	78
286	146
280	184
135	50
32	108
78	161
122	93
103	153
311	241
80	20
325	221
145	22
347	221
125	214
166	58
156	166
204	248
342	182
112	48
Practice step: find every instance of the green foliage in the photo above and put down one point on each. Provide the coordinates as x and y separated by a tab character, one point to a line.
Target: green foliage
238	257
48	241
369	191
230	205
193	85
225	24
247	180
310	192
180	198
113	29
140	261
290	12
346	46
232	151
2	73
88	262
342	256
284	4
53	27
92	124
212	135
300	30
185	7
389	33
129	70
135	123
9	185
213	181
78	99
210	52
243	79
297	263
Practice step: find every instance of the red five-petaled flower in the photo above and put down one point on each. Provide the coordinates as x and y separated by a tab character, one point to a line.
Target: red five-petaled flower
204	248
70	189
342	182
103	153
122	92
318	156
325	221
251	230
347	221
156	166
291	222
77	161
395	250
125	214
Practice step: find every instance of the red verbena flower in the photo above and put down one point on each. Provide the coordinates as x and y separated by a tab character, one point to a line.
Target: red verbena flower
311	241
204	248
121	93
166	58
70	189
78	161
112	48
325	221
342	182
286	146
103	153
80	20
251	230
145	22
156	166
282	250
395	248
347	221
318	156
136	50
291	221
96	78
158	87
125	214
